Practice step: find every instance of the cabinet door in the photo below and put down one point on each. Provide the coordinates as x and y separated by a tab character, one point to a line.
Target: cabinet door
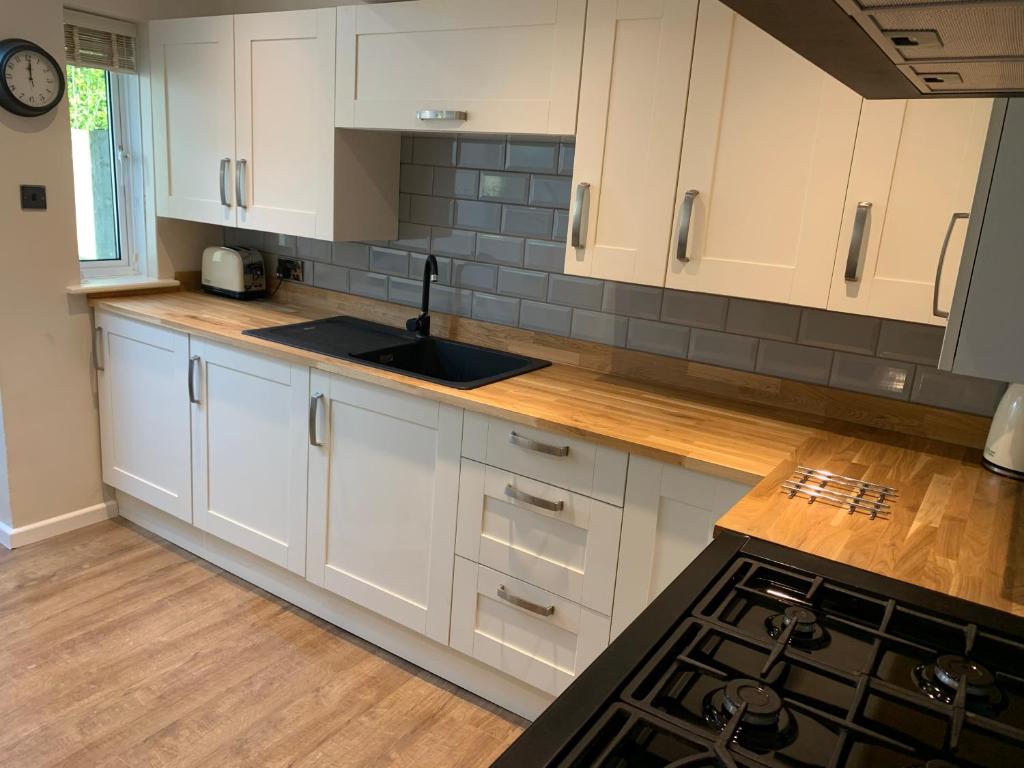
916	164
510	67
144	412
767	148
193	90
383	500
632	103
284	75
249	443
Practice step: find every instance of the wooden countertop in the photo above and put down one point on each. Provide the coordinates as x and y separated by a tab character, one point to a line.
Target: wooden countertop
956	528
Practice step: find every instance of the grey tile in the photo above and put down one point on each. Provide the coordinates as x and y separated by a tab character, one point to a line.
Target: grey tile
500	249
389	261
368	284
600	327
472	274
405	291
523	283
575	291
412	237
404	206
957	393
759	318
566	159
314	250
723	349
495	309
433	150
552	191
532	156
242	238
560	230
660	338
861	373
504	187
416	179
529	222
793	361
406	151
453	301
435	211
355	255
700	310
452	242
329	276
471	214
456	182
482	153
546	318
282	245
541	254
633	300
835	330
910	341
444	268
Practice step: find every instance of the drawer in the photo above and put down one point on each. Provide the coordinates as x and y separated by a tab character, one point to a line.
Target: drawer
529	633
567	462
555	539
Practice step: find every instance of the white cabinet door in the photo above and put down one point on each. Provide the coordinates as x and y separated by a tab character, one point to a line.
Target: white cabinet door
510	67
144	412
767	148
284	80
249	451
916	164
636	69
193	90
383	499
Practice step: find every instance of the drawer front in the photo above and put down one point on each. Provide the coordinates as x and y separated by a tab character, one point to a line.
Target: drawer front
560	541
529	633
566	462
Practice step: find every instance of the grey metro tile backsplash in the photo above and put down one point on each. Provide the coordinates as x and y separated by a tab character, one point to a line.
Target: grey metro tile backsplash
495	212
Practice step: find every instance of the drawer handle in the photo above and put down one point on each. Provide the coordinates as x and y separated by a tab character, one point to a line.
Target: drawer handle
526	605
551	506
580	215
685	217
442	114
314	417
853	258
533	445
942	260
193	365
97	345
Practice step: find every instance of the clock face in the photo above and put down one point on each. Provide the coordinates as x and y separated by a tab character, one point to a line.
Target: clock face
32	79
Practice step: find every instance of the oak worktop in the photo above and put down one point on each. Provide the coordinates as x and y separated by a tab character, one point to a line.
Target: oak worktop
956	528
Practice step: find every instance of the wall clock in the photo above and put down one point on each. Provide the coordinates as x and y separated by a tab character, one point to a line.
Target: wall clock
31	80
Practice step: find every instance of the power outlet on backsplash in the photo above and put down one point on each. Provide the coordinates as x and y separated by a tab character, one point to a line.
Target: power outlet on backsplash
290	269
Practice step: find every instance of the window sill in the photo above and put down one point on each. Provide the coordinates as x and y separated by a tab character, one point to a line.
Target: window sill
119	285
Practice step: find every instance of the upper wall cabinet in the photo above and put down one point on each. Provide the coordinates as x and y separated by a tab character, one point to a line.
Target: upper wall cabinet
240	141
461	65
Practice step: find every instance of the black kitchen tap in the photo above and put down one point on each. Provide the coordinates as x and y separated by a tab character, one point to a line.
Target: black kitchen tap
421	324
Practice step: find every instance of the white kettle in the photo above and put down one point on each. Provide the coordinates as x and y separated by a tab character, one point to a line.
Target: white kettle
1004	449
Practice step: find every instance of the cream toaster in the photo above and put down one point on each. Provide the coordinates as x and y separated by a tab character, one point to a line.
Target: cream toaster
236	272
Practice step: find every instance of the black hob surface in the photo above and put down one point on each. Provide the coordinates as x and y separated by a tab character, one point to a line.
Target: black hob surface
762	656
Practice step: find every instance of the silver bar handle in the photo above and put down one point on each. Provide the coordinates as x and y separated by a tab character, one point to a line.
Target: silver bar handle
527	498
853	258
314	413
540	610
225	164
97	345
685	218
192	360
942	260
442	114
240	183
533	445
580	216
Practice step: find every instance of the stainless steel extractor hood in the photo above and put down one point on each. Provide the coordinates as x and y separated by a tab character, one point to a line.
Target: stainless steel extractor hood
900	49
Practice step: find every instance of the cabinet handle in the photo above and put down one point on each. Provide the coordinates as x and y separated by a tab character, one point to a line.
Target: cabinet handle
942	259
314	413
540	610
551	506
685	216
225	164
442	114
240	183
579	218
533	445
97	344
192	360
853	258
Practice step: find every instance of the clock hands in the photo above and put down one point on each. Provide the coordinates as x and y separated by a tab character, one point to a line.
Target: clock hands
30	79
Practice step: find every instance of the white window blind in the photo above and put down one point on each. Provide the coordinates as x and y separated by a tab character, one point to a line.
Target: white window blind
96	41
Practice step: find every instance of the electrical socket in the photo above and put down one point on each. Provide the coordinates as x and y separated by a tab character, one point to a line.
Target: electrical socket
290	269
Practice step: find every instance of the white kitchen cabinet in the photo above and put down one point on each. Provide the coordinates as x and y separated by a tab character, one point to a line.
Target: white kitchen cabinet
249	451
142	374
383	497
495	66
914	172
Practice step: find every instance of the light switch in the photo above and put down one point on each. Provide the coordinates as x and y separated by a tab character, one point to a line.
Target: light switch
33	197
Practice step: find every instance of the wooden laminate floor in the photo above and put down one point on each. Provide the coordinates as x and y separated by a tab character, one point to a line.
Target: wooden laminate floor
120	650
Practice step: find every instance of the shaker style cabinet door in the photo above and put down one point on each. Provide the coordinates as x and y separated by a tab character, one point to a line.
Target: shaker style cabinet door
765	163
636	70
249	451
192	69
911	189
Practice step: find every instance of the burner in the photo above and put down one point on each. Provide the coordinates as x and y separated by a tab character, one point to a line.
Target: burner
765	725
942	680
763	704
806	633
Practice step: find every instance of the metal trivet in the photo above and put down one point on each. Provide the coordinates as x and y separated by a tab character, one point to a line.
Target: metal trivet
850	493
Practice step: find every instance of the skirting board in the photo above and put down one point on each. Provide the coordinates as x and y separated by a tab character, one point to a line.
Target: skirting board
54	526
463	671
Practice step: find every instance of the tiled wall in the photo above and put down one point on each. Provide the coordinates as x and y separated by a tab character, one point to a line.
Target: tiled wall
495	210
